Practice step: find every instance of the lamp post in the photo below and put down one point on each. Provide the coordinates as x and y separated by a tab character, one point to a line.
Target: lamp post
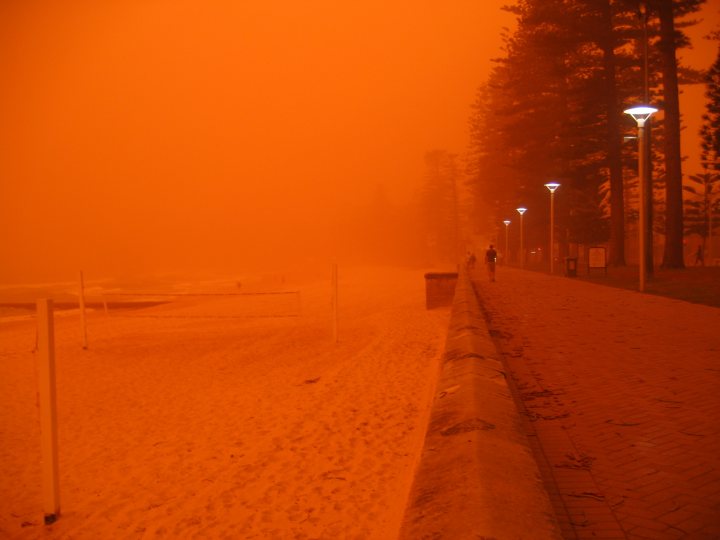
552	186
507	226
641	114
649	211
521	211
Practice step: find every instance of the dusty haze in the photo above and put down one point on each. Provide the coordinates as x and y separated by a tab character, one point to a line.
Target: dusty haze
148	136
143	136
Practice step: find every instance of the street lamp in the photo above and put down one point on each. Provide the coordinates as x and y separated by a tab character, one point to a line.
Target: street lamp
521	211
507	253
552	186
641	115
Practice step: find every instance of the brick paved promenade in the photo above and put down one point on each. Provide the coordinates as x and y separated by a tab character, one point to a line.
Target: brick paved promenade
620	392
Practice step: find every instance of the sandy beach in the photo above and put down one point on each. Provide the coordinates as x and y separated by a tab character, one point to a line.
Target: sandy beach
193	419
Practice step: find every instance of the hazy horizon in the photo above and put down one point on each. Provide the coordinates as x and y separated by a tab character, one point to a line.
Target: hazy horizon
142	137
148	136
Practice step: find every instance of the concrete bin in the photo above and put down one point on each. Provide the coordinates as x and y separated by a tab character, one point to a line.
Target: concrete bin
571	266
439	289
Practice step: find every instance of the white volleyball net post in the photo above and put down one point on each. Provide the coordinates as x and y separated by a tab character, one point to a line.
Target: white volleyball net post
335	302
83	322
48	411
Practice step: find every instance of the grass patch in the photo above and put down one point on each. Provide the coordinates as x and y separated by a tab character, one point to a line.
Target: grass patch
697	284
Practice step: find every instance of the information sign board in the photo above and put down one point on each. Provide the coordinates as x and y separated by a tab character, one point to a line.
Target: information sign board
597	258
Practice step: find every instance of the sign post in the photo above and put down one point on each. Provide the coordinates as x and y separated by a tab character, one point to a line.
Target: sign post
597	259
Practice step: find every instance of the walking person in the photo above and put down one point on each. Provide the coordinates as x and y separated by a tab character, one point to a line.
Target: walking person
470	260
490	258
699	256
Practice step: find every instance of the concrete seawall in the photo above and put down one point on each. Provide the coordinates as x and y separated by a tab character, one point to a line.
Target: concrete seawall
477	477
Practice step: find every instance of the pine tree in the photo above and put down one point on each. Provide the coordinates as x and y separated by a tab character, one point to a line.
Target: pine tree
673	255
440	206
710	130
556	90
552	111
703	190
702	204
608	42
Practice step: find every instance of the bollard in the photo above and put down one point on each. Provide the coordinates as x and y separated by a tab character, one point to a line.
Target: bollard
571	266
48	411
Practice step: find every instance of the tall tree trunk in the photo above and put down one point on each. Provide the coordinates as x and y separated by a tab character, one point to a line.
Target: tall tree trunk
673	255
614	142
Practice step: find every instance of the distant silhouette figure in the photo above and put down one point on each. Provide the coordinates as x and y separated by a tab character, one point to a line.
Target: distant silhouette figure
490	258
699	256
471	260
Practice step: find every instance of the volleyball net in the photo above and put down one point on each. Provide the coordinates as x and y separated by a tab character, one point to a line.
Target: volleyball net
220	305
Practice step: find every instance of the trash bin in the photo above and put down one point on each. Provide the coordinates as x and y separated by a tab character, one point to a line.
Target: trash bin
571	266
439	288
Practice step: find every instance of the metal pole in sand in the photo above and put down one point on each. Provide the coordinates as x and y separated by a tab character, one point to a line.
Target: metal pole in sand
83	325
48	412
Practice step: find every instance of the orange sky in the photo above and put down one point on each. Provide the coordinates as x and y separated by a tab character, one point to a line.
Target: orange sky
146	134
692	100
132	129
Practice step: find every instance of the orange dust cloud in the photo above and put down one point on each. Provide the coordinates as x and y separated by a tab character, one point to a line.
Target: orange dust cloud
692	99
145	136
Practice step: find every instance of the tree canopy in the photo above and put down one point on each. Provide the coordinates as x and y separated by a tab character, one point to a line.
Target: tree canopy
552	110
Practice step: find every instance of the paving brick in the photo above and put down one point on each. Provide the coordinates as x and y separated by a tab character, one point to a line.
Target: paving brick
641	533
669	504
601	534
710	492
679	516
691	525
711	530
701	474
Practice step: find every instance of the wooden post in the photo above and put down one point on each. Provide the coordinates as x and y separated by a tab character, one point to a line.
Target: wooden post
83	325
48	412
335	302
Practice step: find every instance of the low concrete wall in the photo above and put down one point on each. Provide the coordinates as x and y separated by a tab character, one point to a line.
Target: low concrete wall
477	477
